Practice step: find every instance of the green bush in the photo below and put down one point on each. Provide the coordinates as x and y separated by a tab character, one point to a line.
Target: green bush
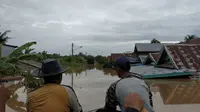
101	59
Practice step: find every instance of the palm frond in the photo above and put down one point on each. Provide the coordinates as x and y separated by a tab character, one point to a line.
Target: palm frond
4	34
20	49
8	69
29	57
12	60
28	50
4	40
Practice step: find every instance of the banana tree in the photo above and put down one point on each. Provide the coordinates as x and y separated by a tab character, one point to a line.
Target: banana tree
8	65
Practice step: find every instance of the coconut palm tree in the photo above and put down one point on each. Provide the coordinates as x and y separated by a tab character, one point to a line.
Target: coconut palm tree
190	37
3	39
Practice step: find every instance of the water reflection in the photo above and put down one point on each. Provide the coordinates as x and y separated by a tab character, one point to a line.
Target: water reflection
76	70
99	67
108	71
187	92
90	67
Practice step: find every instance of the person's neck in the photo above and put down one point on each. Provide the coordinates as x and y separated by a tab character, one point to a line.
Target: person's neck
125	74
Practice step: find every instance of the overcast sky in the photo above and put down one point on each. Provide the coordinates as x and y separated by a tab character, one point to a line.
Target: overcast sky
100	26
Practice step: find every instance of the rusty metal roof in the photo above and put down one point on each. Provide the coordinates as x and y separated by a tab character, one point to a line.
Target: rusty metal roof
193	41
182	56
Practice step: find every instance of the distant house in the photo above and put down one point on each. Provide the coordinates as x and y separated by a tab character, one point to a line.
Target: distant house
133	60
152	58
109	58
114	56
180	56
7	49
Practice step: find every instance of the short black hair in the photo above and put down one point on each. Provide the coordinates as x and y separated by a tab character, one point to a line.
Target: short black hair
52	78
124	67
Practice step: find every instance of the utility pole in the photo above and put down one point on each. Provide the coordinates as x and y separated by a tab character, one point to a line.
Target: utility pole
72	77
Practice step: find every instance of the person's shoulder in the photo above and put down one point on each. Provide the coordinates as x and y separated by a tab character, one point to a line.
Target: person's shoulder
69	89
66	86
114	84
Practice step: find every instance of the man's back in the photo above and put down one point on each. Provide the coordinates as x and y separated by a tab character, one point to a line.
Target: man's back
132	85
48	98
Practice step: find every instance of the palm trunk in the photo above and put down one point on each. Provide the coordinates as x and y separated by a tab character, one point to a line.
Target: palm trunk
0	49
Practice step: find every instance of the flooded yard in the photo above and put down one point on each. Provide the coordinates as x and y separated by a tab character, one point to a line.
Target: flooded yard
169	95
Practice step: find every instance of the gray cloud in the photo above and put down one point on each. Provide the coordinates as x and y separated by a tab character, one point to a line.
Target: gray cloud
102	26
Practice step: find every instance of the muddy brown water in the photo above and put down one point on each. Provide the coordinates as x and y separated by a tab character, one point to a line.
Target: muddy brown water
169	95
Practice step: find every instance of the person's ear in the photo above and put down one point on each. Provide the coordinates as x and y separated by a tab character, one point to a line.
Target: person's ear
119	69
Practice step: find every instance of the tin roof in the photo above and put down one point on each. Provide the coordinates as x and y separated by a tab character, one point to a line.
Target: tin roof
148	47
181	56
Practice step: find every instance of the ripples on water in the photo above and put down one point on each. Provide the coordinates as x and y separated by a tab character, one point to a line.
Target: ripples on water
171	95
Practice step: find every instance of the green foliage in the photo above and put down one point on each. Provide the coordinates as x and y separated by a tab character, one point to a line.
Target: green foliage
8	69
3	37
22	57
44	55
11	60
75	64
75	61
28	57
101	59
8	65
28	50
20	50
0	49
190	37
155	41
108	64
90	59
32	82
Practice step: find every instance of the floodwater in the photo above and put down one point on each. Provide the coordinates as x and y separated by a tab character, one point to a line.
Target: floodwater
169	95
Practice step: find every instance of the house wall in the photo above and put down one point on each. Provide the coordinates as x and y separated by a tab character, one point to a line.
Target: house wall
6	50
109	58
143	53
115	56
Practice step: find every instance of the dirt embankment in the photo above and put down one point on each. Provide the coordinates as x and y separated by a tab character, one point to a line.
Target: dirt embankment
10	78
